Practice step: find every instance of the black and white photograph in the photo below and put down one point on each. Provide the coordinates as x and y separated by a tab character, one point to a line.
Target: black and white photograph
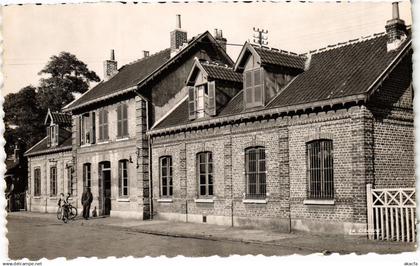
200	129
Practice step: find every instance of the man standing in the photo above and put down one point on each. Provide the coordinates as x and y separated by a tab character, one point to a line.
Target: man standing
86	201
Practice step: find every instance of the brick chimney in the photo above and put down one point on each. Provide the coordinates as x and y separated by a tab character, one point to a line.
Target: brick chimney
178	36
395	29
110	67
218	35
145	53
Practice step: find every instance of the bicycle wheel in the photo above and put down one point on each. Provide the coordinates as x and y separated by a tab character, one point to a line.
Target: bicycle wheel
66	216
59	213
72	212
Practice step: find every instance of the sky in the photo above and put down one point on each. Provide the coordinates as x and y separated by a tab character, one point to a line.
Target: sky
33	33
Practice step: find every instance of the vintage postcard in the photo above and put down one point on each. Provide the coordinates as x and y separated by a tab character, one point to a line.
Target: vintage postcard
202	129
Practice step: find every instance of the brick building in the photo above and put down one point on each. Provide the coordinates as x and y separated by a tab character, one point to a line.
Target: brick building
275	139
289	141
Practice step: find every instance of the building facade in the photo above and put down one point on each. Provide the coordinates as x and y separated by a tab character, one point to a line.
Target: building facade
273	140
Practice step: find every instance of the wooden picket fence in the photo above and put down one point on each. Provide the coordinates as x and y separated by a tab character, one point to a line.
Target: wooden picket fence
391	214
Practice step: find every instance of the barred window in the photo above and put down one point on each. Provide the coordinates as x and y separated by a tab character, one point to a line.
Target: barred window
86	175
122	121
53	181
37	182
255	172
123	178
205	173
166	189
319	154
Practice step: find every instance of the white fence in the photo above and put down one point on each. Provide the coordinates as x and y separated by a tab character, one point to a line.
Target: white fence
391	214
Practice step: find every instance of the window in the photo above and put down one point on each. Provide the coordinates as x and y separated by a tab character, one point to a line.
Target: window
87	128
52	136
86	175
70	181
255	172
123	178
205	173
53	181
202	100
103	125
254	87
122	121
37	182
319	154
165	176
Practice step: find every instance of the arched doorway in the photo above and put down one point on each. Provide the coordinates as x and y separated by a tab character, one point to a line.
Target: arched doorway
105	187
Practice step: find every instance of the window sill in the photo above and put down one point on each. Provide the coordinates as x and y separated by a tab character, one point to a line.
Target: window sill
256	201
165	200
103	142
123	199
122	139
204	200
52	197
85	145
318	202
36	197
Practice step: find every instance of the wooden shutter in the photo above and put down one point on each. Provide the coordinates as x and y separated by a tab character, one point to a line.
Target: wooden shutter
125	119
211	98
258	93
192	107
119	121
56	135
93	128
248	88
48	137
101	125
78	131
105	124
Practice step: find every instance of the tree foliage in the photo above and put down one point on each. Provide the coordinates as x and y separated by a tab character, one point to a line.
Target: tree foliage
25	110
65	76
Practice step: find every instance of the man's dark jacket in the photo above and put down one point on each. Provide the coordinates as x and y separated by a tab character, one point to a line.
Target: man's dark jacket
87	197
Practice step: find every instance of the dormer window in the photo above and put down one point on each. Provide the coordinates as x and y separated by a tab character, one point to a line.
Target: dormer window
254	87
201	100
52	135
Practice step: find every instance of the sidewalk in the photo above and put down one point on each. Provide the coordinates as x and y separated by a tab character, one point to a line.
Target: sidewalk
300	241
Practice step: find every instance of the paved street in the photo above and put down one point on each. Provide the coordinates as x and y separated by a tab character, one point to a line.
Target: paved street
37	235
36	238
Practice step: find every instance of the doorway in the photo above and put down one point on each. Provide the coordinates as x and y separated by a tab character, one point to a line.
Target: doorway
105	182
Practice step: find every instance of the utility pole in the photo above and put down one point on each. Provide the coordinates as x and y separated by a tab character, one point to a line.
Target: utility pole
260	36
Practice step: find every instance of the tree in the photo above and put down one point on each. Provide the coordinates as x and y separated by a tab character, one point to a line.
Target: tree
66	75
25	110
23	119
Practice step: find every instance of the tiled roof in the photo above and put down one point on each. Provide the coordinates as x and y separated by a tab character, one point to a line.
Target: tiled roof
41	147
222	72
344	71
128	76
61	118
339	72
280	58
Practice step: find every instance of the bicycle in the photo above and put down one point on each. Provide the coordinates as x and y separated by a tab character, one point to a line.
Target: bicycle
70	213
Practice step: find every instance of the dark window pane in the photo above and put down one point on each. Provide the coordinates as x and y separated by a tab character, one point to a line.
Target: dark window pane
202	190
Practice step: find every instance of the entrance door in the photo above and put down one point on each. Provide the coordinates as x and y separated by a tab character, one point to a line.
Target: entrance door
105	171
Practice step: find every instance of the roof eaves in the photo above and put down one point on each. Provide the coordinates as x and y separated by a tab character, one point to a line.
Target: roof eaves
263	112
36	144
59	149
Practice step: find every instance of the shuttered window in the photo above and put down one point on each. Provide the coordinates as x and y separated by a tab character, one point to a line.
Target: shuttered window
103	125
202	100
319	154
165	171
86	175
37	182
254	87
205	173
87	128
122	121
255	171
211	98
53	181
123	178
